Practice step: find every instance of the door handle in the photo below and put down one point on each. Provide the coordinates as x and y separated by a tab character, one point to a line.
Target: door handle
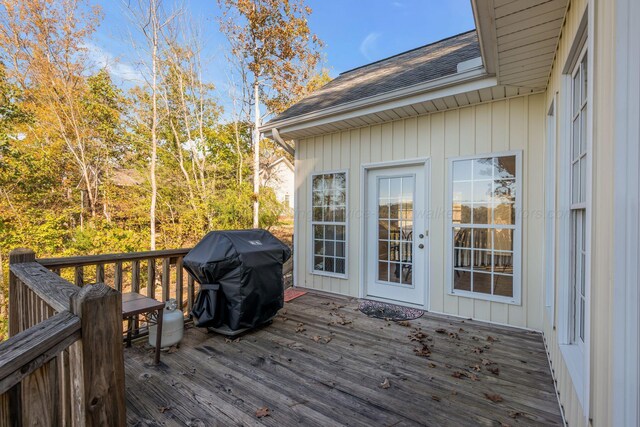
421	246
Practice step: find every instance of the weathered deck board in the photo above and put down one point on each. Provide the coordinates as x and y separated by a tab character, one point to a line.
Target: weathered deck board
211	381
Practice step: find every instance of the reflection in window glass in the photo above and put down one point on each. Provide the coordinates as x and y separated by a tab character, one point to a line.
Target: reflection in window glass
484	221
395	229
329	210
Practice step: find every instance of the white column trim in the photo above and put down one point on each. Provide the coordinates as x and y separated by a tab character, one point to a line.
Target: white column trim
626	271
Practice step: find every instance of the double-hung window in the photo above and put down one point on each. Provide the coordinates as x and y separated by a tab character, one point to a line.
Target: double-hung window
578	205
484	228
329	223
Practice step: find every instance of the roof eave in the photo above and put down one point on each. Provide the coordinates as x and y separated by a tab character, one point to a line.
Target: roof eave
430	86
484	17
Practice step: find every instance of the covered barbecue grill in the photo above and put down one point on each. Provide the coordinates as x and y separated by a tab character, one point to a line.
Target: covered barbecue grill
240	276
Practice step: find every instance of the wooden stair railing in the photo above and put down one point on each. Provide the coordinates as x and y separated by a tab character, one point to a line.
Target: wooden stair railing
63	364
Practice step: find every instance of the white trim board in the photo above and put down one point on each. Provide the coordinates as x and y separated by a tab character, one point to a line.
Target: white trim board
626	275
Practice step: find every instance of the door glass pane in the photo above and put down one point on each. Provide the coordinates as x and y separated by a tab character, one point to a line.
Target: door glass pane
462	237
395	235
481	213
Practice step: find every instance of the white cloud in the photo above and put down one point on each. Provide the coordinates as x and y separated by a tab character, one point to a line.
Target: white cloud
369	46
117	68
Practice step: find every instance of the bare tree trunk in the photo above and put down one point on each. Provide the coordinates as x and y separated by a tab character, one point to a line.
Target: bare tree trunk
256	154
154	122
236	131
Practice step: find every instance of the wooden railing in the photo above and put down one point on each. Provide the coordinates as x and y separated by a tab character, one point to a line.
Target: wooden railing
63	363
157	274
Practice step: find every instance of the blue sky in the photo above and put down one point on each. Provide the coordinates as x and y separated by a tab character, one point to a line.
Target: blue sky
355	32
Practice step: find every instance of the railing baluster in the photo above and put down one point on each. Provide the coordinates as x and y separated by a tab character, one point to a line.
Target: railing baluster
117	276
135	276
79	276
166	278
151	277
179	283
190	294
100	273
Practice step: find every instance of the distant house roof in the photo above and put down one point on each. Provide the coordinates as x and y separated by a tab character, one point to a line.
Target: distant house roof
426	63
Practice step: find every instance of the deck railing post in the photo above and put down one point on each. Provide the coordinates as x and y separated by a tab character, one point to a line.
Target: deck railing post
16	256
97	361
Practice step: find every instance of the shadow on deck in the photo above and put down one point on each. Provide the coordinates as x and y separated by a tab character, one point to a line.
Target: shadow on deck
322	362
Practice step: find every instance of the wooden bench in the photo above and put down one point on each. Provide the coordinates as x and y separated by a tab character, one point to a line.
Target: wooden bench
134	304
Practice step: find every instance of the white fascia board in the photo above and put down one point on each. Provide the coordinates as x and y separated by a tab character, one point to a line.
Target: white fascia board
438	88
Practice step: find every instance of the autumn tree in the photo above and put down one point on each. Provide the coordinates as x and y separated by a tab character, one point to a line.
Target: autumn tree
272	39
150	19
42	43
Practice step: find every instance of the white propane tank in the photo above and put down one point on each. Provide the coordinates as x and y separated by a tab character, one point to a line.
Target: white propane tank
172	326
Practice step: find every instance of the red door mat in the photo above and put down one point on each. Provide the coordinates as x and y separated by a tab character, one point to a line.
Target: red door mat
292	293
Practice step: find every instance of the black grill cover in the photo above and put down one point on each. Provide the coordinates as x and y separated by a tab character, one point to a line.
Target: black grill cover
240	276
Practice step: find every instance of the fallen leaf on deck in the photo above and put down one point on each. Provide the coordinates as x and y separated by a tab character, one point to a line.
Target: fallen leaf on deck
495	398
458	374
476	368
164	409
327	339
172	349
237	339
300	327
404	323
454	335
494	370
486	362
417	335
515	414
422	352
491	339
385	384
432	365
263	412
441	331
317	338
478	350
436	398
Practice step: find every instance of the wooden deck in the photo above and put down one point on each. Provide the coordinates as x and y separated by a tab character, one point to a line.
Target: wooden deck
322	362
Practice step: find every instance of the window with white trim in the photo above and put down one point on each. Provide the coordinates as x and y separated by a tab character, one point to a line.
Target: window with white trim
485	227
578	206
329	223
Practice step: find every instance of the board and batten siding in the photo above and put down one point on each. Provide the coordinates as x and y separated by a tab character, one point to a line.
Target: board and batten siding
601	44
509	124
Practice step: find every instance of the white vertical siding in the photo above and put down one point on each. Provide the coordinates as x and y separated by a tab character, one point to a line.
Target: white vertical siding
511	124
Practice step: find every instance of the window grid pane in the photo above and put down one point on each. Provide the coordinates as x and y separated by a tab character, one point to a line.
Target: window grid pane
328	204
484	220
578	181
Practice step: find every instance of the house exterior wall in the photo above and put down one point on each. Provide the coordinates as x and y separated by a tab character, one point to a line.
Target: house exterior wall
596	405
511	124
281	180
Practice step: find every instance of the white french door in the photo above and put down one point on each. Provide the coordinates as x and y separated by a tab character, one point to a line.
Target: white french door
396	234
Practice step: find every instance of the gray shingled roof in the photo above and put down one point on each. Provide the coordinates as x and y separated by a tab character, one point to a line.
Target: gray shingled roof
416	66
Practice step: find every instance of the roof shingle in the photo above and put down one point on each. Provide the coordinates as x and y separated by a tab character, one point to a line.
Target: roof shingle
416	66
